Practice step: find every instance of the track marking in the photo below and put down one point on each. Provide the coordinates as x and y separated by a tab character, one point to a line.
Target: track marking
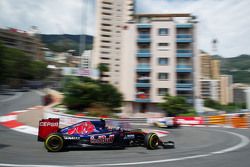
19	94
244	142
40	93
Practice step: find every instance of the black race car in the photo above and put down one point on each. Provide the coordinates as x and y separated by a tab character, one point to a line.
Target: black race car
94	133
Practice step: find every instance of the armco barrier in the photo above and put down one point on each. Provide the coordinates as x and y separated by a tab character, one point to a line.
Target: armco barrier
240	122
218	119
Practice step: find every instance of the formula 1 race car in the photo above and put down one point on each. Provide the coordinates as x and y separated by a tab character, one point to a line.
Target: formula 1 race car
166	122
94	133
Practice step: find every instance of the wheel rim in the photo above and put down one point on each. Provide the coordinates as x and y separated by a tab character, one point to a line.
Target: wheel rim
153	142
54	143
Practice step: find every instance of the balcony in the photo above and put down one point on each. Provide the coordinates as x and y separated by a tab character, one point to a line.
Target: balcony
143	85
184	25
143	38
143	53
142	97
184	53
184	38
143	82
143	25
184	85
184	68
143	67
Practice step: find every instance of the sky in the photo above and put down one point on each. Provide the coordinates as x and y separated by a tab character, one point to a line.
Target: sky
228	21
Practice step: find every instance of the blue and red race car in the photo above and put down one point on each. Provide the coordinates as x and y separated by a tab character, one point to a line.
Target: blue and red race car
94	133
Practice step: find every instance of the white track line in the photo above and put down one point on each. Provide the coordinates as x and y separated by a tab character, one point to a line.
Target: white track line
244	142
19	94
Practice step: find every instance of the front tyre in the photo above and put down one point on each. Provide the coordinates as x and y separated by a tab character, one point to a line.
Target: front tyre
151	141
54	142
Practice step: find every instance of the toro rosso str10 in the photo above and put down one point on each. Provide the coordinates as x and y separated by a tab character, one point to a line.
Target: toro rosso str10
94	133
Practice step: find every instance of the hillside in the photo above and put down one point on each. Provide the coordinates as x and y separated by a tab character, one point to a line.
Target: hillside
64	42
239	67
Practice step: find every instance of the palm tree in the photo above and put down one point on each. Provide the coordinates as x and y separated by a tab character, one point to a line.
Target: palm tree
102	68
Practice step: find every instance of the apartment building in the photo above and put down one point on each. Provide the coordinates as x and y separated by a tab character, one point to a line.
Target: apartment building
210	89
110	18
210	67
159	56
86	59
214	85
239	92
21	40
226	89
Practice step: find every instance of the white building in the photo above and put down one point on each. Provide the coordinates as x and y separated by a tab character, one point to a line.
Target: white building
210	89
86	59
159	56
110	18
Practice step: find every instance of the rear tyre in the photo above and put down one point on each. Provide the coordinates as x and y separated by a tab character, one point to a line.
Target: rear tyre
151	141
54	142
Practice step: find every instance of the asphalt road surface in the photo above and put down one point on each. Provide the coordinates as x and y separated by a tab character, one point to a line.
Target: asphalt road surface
195	147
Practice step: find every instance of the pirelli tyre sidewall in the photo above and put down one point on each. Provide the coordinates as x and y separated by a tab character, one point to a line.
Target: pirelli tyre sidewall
151	141
54	142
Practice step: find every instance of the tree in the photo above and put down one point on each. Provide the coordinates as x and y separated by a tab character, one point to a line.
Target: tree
16	67
102	68
83	93
39	70
175	105
213	104
79	95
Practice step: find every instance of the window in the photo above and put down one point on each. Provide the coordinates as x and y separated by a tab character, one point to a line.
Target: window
103	24
105	35
163	61
105	13
105	41
105	58
106	30
107	3
162	91
163	76
163	46
105	46
163	31
105	52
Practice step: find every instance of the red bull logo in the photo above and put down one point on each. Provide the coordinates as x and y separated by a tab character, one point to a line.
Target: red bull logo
82	128
102	139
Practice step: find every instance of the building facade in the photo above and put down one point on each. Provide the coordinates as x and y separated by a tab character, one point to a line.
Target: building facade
21	40
159	56
86	59
210	89
210	67
226	89
214	85
110	17
239	92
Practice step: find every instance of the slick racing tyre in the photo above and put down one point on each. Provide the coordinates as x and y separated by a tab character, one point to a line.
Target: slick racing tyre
54	143
151	141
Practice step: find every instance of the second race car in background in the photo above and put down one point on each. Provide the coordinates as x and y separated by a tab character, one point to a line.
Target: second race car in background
166	122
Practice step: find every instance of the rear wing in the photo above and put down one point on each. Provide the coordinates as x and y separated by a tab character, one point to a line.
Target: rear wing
46	127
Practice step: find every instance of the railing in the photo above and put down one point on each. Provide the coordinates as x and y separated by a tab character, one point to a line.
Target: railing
184	25
142	97
184	36
143	25
185	66
143	53
143	66
184	51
